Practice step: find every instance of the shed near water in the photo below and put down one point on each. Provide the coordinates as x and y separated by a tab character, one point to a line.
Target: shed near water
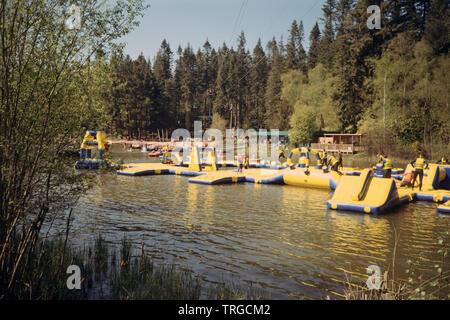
340	142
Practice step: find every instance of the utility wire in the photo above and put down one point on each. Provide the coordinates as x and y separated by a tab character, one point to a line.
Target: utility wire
259	60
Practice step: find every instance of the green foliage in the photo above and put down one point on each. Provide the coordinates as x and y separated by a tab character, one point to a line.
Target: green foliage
410	93
218	122
314	47
314	91
276	110
438	27
49	89
303	125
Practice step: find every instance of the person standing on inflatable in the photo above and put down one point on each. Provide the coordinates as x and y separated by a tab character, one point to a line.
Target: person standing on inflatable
280	153
387	166
380	157
324	157
332	161
443	160
419	164
340	164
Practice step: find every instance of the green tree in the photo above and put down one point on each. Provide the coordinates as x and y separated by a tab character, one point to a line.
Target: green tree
275	116
42	57
258	82
303	125
326	53
314	47
221	101
437	28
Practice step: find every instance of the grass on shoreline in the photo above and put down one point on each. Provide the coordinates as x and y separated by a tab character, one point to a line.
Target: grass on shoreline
129	273
107	273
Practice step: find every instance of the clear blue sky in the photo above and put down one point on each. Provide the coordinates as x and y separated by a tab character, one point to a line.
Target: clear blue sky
193	21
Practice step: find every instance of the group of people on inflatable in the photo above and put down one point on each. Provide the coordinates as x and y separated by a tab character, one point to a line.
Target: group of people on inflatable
410	178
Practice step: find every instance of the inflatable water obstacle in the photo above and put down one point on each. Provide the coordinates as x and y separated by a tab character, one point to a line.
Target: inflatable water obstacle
444	208
93	139
353	190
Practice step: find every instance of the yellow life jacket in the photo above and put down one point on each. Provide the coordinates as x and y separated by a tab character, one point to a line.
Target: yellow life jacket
443	161
420	163
387	164
332	160
319	159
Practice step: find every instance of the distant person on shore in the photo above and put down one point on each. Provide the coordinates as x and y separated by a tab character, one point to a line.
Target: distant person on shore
387	167
419	164
443	160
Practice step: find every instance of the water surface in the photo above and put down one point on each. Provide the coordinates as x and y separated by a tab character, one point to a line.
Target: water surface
279	238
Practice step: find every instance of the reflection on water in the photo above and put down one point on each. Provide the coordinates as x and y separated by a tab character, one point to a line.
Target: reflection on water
281	238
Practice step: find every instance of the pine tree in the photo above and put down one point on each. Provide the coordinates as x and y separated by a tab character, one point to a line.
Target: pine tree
221	101
241	70
277	113
343	8
258	82
314	47
188	84
326	54
162	70
295	52
437	28
162	67
352	48
302	59
292	59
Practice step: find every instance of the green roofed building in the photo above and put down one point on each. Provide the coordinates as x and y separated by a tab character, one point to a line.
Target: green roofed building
284	135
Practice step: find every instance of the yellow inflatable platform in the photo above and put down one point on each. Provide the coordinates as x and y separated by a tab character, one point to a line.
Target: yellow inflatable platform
444	208
355	190
366	193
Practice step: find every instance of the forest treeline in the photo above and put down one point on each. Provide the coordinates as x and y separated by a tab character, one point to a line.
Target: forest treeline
390	83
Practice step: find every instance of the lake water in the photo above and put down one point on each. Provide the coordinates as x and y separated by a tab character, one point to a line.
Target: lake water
281	239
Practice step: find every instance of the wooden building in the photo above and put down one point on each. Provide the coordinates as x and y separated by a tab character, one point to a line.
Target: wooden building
340	142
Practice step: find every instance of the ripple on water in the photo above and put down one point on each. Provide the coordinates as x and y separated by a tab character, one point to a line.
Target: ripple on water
281	238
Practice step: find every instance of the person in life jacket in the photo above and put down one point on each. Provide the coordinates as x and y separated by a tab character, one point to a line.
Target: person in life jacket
320	156
407	179
333	162
324	158
240	163
340	164
419	164
380	157
281	153
246	163
443	160
387	167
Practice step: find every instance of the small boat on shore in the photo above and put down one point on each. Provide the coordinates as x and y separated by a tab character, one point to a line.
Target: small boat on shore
155	154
